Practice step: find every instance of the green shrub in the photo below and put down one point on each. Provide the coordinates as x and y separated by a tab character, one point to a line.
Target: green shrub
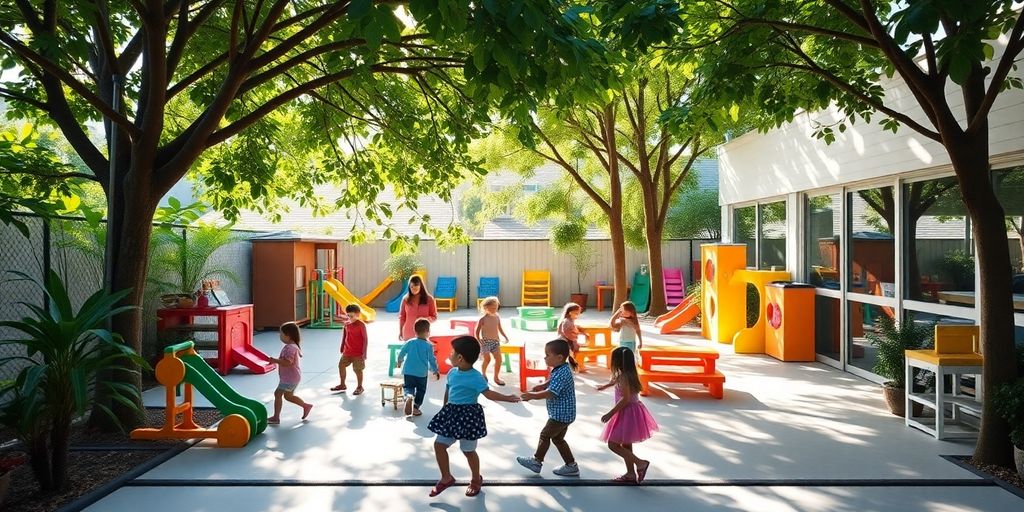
401	266
892	339
1010	405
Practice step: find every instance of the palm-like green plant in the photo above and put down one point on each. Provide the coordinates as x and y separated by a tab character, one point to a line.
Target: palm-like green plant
181	257
892	339
63	351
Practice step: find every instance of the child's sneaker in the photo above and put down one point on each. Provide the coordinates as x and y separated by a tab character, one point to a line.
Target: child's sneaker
568	470
408	405
530	463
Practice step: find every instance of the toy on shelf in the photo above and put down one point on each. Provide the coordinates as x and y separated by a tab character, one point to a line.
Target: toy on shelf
675	289
244	418
536	288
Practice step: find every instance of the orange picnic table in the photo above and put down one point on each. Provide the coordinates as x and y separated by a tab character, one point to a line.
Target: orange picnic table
681	356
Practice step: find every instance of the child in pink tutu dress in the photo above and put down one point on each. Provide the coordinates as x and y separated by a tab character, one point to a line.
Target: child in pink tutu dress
629	421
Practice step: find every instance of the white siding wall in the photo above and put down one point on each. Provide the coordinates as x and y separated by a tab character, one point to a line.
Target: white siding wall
506	259
790	159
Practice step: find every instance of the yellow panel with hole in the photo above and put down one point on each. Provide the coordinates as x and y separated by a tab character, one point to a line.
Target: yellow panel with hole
723	299
750	340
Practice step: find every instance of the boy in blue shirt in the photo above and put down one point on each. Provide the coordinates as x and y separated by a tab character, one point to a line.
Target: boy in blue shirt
421	356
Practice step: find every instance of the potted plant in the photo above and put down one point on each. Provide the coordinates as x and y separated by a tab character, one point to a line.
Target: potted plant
584	260
1009	400
893	339
400	266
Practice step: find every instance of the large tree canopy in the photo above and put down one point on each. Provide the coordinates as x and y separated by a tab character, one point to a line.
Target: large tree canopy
790	55
268	98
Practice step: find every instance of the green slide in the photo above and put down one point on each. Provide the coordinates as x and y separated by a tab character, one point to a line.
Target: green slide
211	385
640	294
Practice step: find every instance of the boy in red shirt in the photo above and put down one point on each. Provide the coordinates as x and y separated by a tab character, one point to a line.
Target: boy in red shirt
353	349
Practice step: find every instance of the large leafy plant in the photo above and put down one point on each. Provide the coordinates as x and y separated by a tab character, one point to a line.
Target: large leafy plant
60	351
892	339
401	266
182	249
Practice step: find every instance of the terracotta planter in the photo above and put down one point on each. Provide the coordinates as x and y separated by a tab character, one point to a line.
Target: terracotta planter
894	397
1018	459
581	299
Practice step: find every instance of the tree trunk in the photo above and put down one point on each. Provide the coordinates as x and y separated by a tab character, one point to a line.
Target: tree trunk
131	228
653	231
994	304
39	460
615	202
619	257
59	440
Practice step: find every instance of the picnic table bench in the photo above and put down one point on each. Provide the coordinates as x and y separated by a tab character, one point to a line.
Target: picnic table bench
530	316
679	356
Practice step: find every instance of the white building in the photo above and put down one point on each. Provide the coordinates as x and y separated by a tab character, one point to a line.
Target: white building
811	205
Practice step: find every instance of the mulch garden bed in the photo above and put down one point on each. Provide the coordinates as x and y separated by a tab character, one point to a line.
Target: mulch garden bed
1008	475
95	459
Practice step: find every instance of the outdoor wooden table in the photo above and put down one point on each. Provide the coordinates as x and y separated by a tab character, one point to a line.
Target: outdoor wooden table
601	288
967	299
598	343
704	357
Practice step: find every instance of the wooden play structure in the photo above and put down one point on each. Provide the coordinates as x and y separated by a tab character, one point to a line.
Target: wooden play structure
536	288
675	288
244	418
282	264
234	334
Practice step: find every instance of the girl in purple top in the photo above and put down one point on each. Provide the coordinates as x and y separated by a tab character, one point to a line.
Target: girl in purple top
416	304
289	372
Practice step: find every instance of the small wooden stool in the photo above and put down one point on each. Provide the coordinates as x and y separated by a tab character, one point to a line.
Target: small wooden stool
397	388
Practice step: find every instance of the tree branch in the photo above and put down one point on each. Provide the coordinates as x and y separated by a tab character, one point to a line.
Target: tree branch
1006	63
64	77
57	175
587	188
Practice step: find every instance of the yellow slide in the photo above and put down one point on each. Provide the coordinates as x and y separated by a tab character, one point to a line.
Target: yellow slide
339	293
368	298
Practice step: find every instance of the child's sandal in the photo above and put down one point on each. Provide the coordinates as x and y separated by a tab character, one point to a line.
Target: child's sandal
474	487
339	387
624	479
440	486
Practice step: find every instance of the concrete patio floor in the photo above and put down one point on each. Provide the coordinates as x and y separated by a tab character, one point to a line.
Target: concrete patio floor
787	436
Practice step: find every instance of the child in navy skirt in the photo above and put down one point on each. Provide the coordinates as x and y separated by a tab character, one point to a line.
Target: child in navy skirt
462	418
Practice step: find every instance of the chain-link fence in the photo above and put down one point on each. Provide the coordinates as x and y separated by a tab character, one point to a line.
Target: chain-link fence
74	249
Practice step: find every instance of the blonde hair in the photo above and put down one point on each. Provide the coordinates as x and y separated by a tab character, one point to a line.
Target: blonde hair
488	301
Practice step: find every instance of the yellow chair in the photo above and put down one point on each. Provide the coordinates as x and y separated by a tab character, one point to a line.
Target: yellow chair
536	288
955	353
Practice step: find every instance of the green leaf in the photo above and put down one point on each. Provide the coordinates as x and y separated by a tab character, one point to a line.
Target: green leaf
357	9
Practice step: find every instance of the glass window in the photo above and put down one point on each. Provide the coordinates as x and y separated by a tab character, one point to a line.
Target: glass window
743	231
1009	186
939	261
773	235
860	352
873	255
826	327
823	225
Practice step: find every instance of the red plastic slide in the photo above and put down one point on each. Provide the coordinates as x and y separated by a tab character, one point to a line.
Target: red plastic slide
685	311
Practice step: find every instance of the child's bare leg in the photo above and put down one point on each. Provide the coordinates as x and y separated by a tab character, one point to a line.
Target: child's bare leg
359	379
441	454
487	361
627	457
474	464
290	396
341	374
278	394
